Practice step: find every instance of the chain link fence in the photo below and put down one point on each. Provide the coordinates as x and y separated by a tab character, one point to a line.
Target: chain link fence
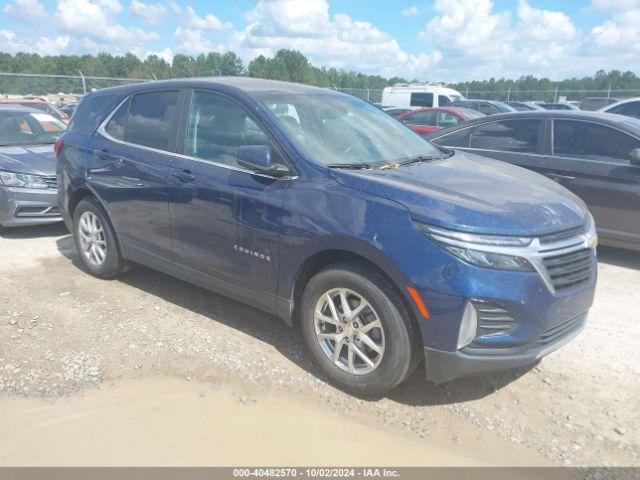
21	84
375	95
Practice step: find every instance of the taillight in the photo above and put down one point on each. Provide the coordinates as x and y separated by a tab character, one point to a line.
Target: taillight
57	146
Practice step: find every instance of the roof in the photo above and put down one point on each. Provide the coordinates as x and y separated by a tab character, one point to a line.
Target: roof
245	84
628	124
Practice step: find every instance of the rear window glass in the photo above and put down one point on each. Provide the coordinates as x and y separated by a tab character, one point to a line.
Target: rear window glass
422	99
88	110
519	136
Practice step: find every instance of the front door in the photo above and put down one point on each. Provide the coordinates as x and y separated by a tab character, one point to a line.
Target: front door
226	218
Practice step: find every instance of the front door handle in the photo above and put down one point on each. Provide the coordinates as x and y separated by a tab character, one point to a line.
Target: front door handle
183	175
558	177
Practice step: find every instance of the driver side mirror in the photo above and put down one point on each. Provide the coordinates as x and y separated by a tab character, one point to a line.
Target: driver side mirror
258	159
635	156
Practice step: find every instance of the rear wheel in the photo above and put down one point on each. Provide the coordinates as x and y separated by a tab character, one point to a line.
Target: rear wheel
357	329
96	241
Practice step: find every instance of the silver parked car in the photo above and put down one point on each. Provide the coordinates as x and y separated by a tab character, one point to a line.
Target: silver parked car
28	186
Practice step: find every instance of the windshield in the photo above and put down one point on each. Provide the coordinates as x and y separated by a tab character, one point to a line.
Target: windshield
342	130
23	128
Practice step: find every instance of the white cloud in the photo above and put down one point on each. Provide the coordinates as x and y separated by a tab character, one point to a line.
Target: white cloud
166	55
151	13
13	43
28	10
477	41
96	21
195	32
52	46
335	41
411	11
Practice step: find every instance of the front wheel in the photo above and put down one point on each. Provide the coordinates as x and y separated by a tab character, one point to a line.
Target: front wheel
358	330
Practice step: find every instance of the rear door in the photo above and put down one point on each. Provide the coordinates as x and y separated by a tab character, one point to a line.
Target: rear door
128	167
592	160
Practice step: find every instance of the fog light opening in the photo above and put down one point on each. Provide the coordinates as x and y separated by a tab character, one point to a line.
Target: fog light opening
468	326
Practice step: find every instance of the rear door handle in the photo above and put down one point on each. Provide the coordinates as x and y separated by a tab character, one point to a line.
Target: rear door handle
557	177
183	175
107	157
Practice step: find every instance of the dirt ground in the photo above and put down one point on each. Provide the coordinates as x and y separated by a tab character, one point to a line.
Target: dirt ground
149	370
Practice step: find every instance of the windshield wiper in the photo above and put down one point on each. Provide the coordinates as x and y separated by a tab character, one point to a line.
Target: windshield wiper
351	166
425	158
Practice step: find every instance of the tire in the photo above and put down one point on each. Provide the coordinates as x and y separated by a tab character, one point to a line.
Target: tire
109	263
397	339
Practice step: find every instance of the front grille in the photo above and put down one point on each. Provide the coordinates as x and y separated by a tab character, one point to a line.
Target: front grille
559	236
570	269
565	328
494	320
51	181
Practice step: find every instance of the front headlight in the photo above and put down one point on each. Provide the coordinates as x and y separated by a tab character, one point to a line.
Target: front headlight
482	250
21	180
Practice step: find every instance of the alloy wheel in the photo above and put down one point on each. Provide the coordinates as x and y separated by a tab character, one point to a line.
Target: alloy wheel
349	331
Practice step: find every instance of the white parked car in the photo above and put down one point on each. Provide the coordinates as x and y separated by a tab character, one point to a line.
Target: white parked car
629	107
419	95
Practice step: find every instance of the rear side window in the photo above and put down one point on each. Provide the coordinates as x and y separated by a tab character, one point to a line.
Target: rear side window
421	99
591	141
519	136
115	127
420	118
152	119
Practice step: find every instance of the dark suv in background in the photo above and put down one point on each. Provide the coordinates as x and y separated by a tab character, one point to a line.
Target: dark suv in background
320	208
595	155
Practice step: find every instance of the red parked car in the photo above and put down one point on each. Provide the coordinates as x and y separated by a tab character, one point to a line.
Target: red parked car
427	120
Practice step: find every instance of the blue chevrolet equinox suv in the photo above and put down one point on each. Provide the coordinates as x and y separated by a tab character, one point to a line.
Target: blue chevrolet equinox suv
319	208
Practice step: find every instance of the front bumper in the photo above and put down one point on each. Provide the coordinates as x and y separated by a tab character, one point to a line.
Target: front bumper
25	206
444	366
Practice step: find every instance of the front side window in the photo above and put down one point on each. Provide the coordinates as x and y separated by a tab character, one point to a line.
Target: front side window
519	136
457	139
343	130
443	101
421	99
152	119
487	108
420	118
217	126
591	141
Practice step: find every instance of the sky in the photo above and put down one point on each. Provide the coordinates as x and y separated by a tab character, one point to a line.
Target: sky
435	40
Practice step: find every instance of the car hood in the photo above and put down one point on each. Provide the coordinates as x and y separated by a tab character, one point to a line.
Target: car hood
475	194
34	159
